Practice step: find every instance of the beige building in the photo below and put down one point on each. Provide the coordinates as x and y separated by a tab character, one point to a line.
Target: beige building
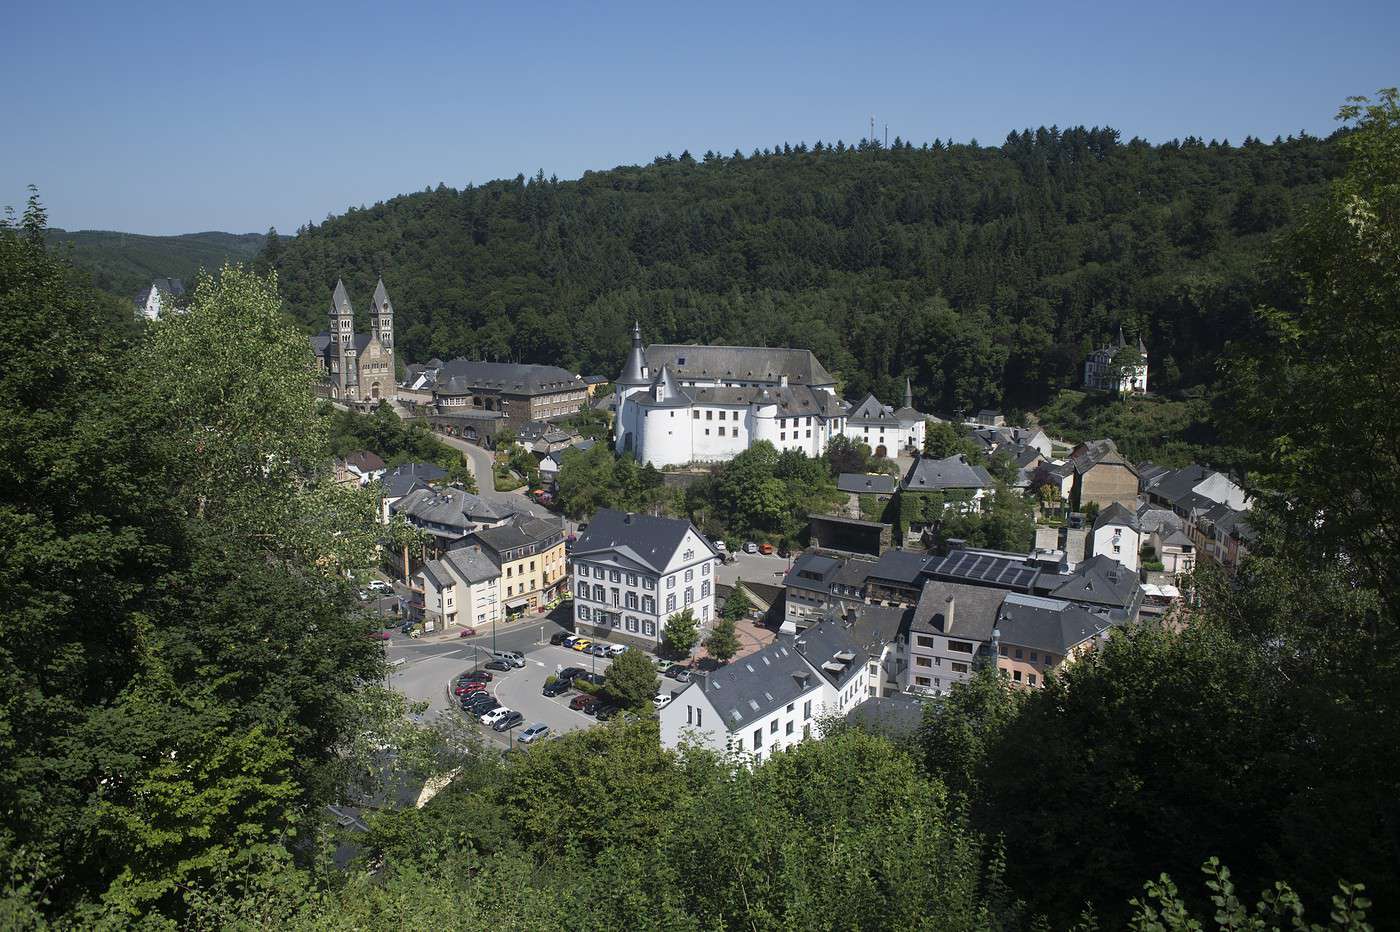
530	553
1102	476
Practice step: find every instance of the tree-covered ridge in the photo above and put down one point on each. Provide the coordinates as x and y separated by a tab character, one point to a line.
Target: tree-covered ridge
124	263
985	273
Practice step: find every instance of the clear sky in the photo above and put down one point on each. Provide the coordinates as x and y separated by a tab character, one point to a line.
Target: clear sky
175	118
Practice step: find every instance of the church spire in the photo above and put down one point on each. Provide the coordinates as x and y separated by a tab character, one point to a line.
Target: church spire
908	393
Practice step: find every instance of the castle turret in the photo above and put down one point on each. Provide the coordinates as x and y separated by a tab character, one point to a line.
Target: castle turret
908	393
634	371
632	380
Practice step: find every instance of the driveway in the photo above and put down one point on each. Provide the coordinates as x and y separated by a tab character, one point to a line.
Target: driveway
480	459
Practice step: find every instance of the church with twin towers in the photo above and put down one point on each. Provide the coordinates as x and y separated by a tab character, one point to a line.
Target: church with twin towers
355	367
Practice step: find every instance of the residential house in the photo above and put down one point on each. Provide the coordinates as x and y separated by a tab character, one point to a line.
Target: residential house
772	699
1037	635
949	634
1102	476
633	572
530	553
463	587
960	485
876	489
1117	535
896	578
1101	374
401	480
448	515
1012	440
366	465
819	583
551	463
1172	487
989	417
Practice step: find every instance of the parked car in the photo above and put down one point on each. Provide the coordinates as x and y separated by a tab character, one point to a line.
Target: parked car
659	700
607	711
379	585
495	715
480	704
592	706
508	721
597	679
765	548
467	632
750	547
579	702
557	638
512	657
478	676
617	650
598	650
534	733
468	686
581	644
568	673
721	547
679	673
555	688
503	666
378	635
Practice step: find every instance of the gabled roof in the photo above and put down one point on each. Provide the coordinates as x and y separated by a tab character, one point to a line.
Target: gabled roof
953	472
874	627
754	686
974	610
1052	625
427	472
900	566
1153	519
738	363
866	483
451	507
812	571
1116	514
648	540
1176	484
1093	453
521	531
470	564
461	376
832	651
1100	580
364	460
870	411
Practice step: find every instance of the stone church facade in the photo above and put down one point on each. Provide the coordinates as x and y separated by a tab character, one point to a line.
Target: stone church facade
357	367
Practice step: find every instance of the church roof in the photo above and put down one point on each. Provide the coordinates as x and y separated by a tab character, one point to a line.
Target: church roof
381	296
340	300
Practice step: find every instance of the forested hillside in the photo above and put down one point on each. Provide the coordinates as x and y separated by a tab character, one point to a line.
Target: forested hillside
124	263
985	273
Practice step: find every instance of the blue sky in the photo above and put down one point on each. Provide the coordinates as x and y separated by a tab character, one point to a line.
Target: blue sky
157	118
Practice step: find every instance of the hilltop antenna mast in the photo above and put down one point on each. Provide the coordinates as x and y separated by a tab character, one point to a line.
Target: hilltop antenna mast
871	137
887	135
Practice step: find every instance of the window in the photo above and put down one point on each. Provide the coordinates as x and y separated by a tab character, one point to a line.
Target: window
689	595
921	681
698	712
697	415
583	590
1002	650
757	738
1031	679
959	668
648	583
721	431
707	432
510	590
631	579
598	595
1016	675
922	662
961	647
671	602
583	613
532	566
790	707
807	709
773	727
705	570
509	571
615	597
649	628
705	589
689	575
925	641
806	731
709	415
689	715
631	624
670	582
1018	653
782	436
632	601
649	604
1035	658
615	576
581	569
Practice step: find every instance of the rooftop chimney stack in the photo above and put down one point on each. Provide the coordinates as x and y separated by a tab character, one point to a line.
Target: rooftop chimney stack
949	607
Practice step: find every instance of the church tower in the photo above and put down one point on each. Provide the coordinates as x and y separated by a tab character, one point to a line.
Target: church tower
381	324
344	369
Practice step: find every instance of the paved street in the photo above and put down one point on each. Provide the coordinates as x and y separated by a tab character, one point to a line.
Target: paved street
754	567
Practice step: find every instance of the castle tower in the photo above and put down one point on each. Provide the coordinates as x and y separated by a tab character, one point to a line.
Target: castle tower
344	370
632	380
908	393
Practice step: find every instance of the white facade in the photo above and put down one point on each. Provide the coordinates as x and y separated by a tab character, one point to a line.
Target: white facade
618	595
1099	372
1119	541
454	596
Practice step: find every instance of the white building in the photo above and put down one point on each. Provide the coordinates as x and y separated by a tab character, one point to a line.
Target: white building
1100	373
464	587
159	296
1118	536
884	430
633	572
697	404
766	701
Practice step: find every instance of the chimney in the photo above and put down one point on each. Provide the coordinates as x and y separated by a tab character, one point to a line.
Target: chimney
948	609
627	519
801	645
956	543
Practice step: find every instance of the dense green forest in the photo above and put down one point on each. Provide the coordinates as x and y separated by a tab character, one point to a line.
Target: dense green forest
984	273
188	683
124	263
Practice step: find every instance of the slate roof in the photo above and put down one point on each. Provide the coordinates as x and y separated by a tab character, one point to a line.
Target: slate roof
451	506
521	531
900	566
812	571
427	472
1100	580
650	541
897	716
853	573
1236	523
791	400
753	686
875	626
1176	485
462	376
1052	625
831	649
172	286
738	363
636	359
364	461
974	610
1152	519
1178	538
1117	514
871	412
468	563
1092	453
866	484
953	472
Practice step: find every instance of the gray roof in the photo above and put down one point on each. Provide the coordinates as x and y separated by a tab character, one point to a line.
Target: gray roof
1178	538
340	300
974	610
381	295
462	376
1092	453
1176	485
864	483
901	566
753	686
853	573
1236	523
870	411
468	563
791	400
874	626
171	286
831	649
812	571
1117	514
521	531
953	472
1152	519
897	716
636	360
1100	580
451	507
1052	625
739	363
428	472
993	568
650	541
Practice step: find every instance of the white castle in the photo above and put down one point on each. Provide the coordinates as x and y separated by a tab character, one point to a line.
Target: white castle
699	404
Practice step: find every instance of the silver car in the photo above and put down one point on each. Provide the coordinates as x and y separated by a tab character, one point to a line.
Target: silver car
534	733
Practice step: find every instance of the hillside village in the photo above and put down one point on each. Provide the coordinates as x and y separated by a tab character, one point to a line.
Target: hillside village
872	609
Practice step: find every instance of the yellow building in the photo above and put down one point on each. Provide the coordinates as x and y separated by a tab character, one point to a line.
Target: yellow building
530	553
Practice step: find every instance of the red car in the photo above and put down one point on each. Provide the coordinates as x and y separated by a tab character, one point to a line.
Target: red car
467	688
378	635
467	632
765	549
579	701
